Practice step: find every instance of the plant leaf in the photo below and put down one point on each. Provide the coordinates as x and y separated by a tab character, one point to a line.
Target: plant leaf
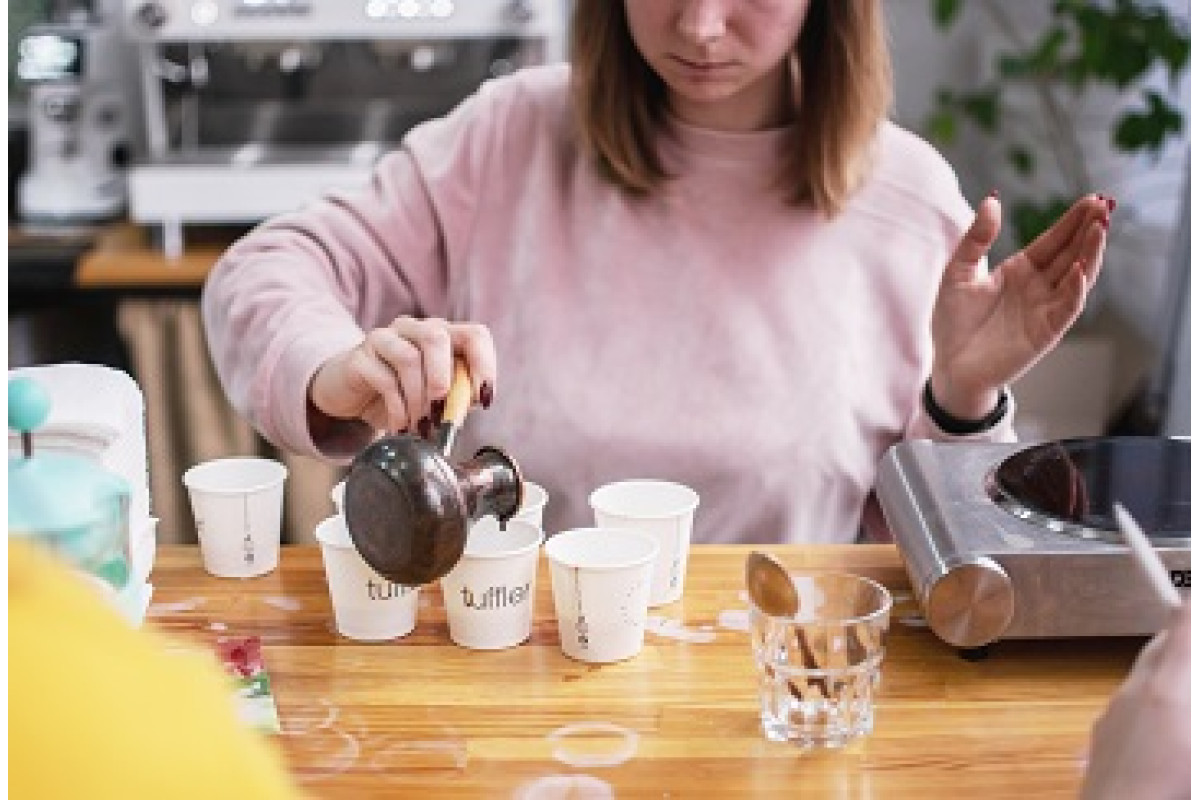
942	127
1021	159
982	108
946	11
1147	129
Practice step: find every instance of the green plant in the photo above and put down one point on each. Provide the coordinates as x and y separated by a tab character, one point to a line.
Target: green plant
1084	46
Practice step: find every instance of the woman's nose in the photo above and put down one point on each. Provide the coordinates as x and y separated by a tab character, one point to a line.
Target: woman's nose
702	21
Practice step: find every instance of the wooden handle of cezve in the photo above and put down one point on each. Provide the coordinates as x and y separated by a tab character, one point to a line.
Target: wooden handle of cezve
458	400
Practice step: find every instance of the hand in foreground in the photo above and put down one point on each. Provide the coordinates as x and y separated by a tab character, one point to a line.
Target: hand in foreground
392	379
990	328
1141	745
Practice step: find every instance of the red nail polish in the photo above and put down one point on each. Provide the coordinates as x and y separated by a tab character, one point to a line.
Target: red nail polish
994	193
485	394
1112	203
1104	223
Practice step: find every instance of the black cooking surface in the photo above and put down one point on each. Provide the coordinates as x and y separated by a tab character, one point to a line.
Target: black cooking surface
1077	481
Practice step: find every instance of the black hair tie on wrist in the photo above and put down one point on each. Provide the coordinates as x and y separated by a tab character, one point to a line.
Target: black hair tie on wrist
962	427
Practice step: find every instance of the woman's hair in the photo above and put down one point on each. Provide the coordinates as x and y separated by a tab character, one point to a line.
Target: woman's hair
844	92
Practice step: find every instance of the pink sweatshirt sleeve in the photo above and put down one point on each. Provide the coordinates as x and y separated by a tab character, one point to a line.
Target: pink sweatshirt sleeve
306	286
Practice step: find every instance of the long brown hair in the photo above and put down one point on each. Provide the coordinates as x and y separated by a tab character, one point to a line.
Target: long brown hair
845	90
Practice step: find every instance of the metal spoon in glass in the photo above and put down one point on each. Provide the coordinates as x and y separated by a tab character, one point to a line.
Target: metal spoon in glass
771	587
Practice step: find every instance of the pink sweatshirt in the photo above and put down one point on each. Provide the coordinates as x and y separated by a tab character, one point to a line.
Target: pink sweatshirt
710	334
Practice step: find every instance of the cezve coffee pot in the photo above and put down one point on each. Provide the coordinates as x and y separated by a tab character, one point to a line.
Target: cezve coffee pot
408	507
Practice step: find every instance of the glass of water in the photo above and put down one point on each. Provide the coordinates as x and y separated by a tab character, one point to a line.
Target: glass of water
818	671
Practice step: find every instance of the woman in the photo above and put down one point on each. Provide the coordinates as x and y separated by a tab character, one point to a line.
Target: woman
700	253
1141	745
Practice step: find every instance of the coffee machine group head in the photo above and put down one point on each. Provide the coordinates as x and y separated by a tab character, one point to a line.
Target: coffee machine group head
254	107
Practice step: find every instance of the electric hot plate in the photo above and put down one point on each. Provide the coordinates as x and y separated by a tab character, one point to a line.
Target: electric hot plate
1012	541
1071	486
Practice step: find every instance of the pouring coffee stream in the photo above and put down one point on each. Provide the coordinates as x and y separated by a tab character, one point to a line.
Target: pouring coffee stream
408	507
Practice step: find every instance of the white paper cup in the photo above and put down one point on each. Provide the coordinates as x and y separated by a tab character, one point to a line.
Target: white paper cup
662	509
338	495
143	545
366	605
600	578
489	593
238	505
533	503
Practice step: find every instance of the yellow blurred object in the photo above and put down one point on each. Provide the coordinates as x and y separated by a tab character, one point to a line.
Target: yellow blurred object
98	708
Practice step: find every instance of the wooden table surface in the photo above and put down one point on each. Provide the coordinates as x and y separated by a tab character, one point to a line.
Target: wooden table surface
420	715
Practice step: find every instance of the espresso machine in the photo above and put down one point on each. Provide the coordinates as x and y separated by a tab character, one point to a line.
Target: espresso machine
79	121
253	107
1020	541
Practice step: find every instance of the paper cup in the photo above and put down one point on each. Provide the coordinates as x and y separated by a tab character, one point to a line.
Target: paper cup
238	505
533	503
600	578
366	606
143	545
489	593
662	509
338	495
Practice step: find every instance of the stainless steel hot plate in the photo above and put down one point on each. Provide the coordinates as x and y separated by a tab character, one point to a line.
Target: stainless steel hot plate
1017	540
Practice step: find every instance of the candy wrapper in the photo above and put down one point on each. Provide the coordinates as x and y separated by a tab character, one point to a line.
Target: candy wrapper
242	659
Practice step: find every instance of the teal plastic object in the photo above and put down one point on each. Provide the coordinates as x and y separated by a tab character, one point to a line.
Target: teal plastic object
28	405
63	501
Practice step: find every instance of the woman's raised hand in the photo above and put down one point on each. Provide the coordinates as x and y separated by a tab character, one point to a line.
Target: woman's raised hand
989	328
393	379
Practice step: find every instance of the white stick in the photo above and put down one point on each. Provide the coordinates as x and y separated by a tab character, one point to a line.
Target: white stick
1147	559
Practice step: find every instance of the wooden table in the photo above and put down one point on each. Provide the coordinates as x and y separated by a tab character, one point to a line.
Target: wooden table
116	257
420	716
124	258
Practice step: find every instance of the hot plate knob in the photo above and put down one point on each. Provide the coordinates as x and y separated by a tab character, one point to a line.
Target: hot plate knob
971	603
151	16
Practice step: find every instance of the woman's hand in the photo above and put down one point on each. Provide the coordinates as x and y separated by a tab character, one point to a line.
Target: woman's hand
990	328
393	378
1140	745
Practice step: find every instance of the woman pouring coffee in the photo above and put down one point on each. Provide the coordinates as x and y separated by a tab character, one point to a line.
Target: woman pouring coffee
698	252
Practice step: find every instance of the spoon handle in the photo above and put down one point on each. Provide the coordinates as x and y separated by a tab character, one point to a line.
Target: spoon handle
1147	560
811	662
458	401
